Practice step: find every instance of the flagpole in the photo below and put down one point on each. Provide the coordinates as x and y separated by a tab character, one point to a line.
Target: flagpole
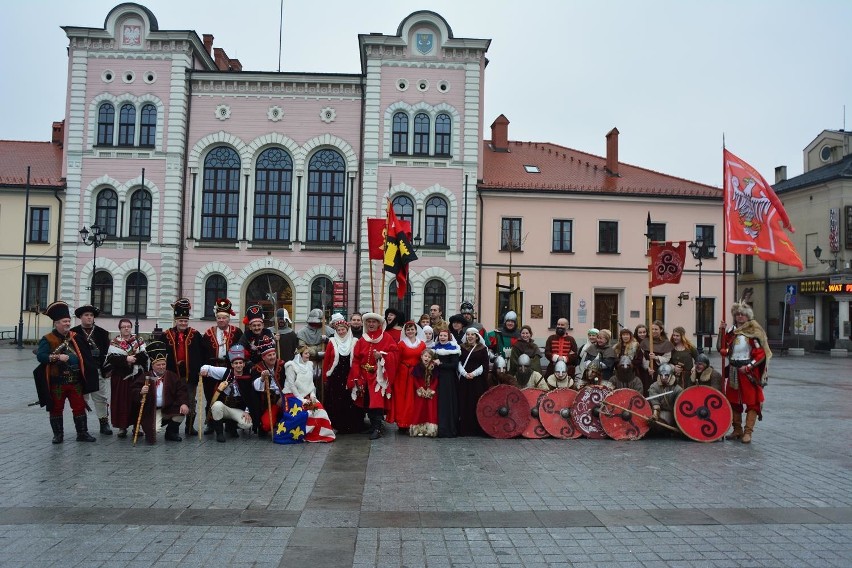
372	285
649	303
385	249
724	258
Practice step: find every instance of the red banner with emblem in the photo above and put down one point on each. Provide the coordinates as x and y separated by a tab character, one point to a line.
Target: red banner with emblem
666	260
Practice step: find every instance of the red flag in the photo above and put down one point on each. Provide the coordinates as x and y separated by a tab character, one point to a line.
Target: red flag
398	250
754	216
376	238
666	261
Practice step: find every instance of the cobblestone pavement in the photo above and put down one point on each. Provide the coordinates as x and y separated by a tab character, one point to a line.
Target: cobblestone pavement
784	500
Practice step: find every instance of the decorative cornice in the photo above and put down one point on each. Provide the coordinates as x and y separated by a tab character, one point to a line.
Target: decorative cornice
233	85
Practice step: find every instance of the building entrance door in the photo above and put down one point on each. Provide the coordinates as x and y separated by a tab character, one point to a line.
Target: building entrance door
606	312
270	291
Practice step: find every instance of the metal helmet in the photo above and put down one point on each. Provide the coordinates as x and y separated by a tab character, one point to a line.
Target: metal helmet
500	363
560	368
524	360
315	316
466	307
703	359
667	376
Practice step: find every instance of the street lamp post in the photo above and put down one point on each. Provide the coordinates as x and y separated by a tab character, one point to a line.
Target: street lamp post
701	250
93	238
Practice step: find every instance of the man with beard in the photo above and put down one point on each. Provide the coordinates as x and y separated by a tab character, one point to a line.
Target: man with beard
663	406
255	334
98	340
287	340
356	325
466	310
528	377
218	340
704	374
374	361
561	347
185	357
501	340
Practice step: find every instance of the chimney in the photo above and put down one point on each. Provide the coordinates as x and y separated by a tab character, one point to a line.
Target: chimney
221	59
58	134
612	152
235	65
780	174
208	43
500	134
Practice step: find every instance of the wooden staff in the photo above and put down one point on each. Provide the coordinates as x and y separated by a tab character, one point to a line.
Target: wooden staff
141	408
663	424
269	402
199	405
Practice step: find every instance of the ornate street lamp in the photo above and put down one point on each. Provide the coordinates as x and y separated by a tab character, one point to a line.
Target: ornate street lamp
93	238
701	250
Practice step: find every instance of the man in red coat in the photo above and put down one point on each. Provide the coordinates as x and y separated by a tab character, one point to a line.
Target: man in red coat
561	347
374	361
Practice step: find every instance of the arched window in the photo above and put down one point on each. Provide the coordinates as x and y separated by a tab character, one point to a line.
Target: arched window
102	292
435	292
136	294
106	124
148	126
106	211
326	188
403	206
400	133
436	222
421	134
220	198
127	125
140	214
322	294
443	126
215	287
273	182
403	305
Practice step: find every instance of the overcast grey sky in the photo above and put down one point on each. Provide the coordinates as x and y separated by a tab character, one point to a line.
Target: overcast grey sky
673	76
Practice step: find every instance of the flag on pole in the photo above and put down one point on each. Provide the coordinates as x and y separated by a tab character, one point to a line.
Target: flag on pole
376	238
398	250
754	216
666	260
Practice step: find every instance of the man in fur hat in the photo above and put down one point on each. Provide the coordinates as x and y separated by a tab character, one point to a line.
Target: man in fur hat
218	339
185	356
67	370
374	361
747	348
98	340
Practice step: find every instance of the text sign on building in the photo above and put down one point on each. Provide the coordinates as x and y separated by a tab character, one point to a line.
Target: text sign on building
813	286
341	294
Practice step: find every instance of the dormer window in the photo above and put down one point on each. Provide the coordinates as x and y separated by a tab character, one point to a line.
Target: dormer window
531	169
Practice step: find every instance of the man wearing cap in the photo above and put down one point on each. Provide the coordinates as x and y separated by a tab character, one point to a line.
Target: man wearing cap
466	310
166	396
218	339
67	370
229	411
185	356
255	334
269	372
98	340
561	346
287	340
501	340
374	361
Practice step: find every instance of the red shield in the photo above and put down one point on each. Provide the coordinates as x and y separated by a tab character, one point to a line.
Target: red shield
703	414
618	418
586	409
534	429
555	413
503	411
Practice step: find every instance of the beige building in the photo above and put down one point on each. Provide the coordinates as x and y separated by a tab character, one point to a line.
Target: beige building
811	308
30	215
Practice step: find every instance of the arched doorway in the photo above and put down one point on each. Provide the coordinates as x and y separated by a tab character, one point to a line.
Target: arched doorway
271	291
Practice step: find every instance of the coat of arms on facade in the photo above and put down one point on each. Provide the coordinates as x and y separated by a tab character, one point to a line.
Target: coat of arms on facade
131	35
425	42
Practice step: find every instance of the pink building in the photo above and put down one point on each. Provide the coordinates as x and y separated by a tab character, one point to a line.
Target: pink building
573	226
214	181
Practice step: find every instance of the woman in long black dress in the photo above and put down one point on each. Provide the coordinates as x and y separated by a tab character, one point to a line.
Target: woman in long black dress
446	369
346	417
473	367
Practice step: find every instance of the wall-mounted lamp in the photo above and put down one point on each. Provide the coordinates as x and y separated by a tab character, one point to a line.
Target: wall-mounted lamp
831	262
681	297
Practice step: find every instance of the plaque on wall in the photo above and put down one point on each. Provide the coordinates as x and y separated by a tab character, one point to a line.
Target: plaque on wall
537	312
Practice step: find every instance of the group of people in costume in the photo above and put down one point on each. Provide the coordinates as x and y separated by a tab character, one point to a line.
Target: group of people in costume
426	377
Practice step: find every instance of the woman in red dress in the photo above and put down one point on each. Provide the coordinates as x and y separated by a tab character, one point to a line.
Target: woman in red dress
402	400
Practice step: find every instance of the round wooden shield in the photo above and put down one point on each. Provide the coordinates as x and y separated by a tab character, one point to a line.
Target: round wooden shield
703	414
554	410
503	411
534	429
586	408
618	418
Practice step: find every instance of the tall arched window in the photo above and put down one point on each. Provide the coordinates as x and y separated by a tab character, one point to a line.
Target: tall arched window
436	222
106	124
215	287
435	292
273	184
127	125
403	305
403	206
322	293
136	294
326	188
443	127
148	125
400	133
102	291
140	214
421	134
106	211
220	197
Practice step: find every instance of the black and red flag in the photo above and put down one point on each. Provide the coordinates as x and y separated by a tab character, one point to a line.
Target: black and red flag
398	250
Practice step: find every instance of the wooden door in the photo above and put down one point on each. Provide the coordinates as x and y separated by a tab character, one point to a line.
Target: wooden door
606	308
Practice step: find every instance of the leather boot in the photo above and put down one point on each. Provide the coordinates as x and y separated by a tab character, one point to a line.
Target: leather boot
376	423
231	429
219	428
58	429
83	429
209	427
189	429
751	419
172	432
105	429
738	428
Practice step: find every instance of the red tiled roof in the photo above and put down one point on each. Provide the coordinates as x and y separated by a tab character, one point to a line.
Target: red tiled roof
566	170
44	159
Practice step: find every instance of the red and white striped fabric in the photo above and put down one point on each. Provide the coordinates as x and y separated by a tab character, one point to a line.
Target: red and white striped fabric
318	428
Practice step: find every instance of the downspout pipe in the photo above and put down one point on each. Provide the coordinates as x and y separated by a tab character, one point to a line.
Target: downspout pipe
464	237
58	243
479	265
182	237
